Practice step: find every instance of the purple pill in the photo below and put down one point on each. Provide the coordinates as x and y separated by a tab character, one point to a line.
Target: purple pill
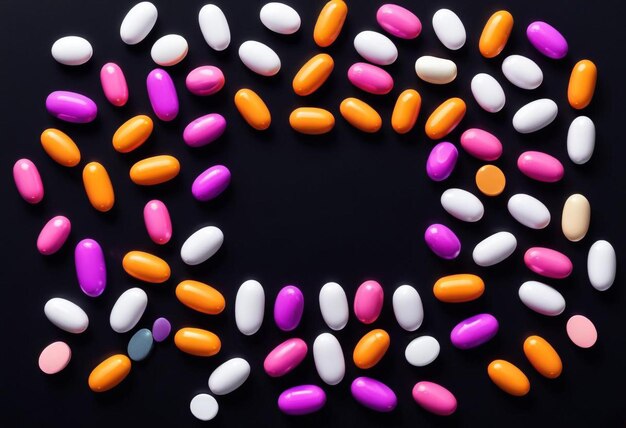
373	394
161	329
90	268
442	241
204	130
205	80
474	331
71	107
547	39
288	308
162	94
211	183
441	161
302	400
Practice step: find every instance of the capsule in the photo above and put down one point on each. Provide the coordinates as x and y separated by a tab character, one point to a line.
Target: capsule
543	357
373	394
582	84
301	400
128	310
285	357
205	80
434	398
198	342
329	23
71	107
249	307
98	186
601	265
334	306
313	74
368	302
133	133
53	235
495	34
329	360
370	78
211	183
157	220
204	130
405	111
360	115
200	297
229	376
441	161
253	109
311	120
442	241
371	349
576	217
288	308
547	39
398	21
445	118
474	331
146	267
60	147
508	378
541	298
154	170
109	373
90	267
547	262
540	166
408	308
162	94
459	288
114	84
28	181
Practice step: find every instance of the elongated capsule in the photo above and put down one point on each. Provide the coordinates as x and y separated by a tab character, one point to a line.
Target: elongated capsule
154	170
114	84
98	186
508	378
285	357
311	120
146	267
495	34
90	267
370	78
53	235
405	111
60	147
548	262
576	217
198	342
301	400
543	357
162	94
253	109
459	288
109	373
158	223
371	349
28	181
313	74
445	118
368	302
330	22
132	133
71	107
360	115
200	297
582	84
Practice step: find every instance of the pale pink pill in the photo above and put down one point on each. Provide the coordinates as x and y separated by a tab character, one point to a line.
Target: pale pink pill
114	84
481	144
434	398
398	21
158	222
581	331
54	357
540	166
205	80
28	181
547	262
370	78
53	235
368	302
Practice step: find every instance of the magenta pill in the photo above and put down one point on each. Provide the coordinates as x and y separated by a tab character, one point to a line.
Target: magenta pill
161	329
285	357
434	398
302	400
71	107
481	144
28	181
547	262
370	78
373	394
211	183
114	84
288	308
368	302
158	223
441	161
540	166
547	39
53	235
90	268
162	94
205	80
442	241
398	21
474	331
204	130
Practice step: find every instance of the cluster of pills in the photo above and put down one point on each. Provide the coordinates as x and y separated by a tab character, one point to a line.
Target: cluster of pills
378	50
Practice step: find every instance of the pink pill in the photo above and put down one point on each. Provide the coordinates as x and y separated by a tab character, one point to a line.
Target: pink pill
28	181
581	331
158	223
90	267
370	78
204	130
398	21
373	394
114	84
368	302
54	357
540	166
162	94
211	183
442	241
285	357
441	161
434	398
205	80
547	39
481	144
71	107
548	262
53	235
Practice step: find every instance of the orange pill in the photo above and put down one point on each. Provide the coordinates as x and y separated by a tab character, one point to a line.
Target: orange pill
200	297
60	147
132	134
155	170
253	109
543	357
405	111
146	267
196	341
495	34
109	373
459	288
582	84
360	115
98	186
329	22
371	349
311	120
445	118
490	180
313	74
508	378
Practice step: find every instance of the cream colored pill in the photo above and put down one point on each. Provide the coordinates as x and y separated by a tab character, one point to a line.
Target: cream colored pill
408	308
581	140
541	298
449	29
334	305
438	71
375	47
488	93
601	265
522	72
329	360
494	249
422	351
201	245
249	307
462	205
576	217
259	58
529	211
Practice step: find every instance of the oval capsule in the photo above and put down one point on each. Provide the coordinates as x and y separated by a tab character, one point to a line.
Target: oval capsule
449	29
529	211
398	21
211	183
405	111
375	47
301	400
543	357
508	378
547	39
459	288
373	394
535	115
114	84
98	186
474	331
154	170
311	120
547	262
422	351
370	78
462	205
161	329
71	50
53	235
582	84
138	22
204	130
54	357
581	140
521	71
128	310
249	307
328	357
132	133
445	118
71	107
253	109
214	27
581	331
280	18
488	93
334	305
313	74
205	80
576	217
200	297
66	315
156	217
371	349
434	398
60	147
368	302
408	308
540	166
442	241
162	94
438	71
441	161
481	144
169	50
229	376
28	181
601	265
90	267
109	373
495	34
201	245
330	22
288	308
494	249
146	267
259	58
285	357
198	342
360	115
541	298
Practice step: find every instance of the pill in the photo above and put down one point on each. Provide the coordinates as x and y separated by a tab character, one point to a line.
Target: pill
541	298
375	47
371	348
158	223
445	118
441	161
434	398
488	93
481	144
211	183
204	130
547	262
529	211
259	58
98	186
330	22
301	400
576	217
408	308
198	342
311	120
146	267
422	351
543	357
109	373
495	34
71	107
205	80
405	111
490	180
285	357
360	115
203	407
128	310
535	115
581	140
280	18
249	307
229	376
60	147
154	170
368	302
547	39
373	394
201	245
72	50
214	27
521	71
601	265
161	329
398	21
582	84
459	288
90	267
140	345
449	29
334	305
162	94
370	78
442	241
438	71
288	308
114	84
200	297
328	357
53	235
138	22
494	249
253	109
540	166
132	133
462	205
66	315
581	331
28	181
313	74
54	357
508	378
474	331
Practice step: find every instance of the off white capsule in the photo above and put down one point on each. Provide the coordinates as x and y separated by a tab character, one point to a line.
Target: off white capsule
576	217
488	93
529	211
422	351
138	22
522	72
449	29
329	360
229	376
535	115
581	140
494	249
214	27
334	305
128	309
66	315
438	71
249	307
201	245
601	265
408	308
259	58
169	50
462	205
375	47
280	18
541	298
72	50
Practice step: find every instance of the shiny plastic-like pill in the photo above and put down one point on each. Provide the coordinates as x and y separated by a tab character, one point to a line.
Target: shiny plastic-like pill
330	22
495	34
66	315
547	262
601	265
109	373
547	39
211	183
313	74
204	130
328	357
508	378
368	302
28	181
490	180
441	161
535	115
405	111
481	144
229	376
494	249
398	21
169	50
132	133
459	288
253	109
302	400
205	80
200	297
90	267
161	329
581	140
408	308
445	118
474	331
288	308
462	205
128	310
373	394
529	211
201	245
360	115
60	147
53	235
543	357
249	307
370	78
203	406
162	94
140	345
442	241
156	217
71	107
198	342
146	267
311	120
541	298
114	84
540	166
371	349
285	357
582	84
154	170
434	398
98	186
334	305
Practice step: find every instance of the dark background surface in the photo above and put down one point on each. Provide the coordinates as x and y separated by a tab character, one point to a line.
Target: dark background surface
342	207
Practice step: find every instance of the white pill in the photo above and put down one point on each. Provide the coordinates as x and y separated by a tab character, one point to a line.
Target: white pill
138	22
169	50
249	307
462	205
535	115
201	245
72	50
529	211
259	58
329	360
494	249
435	70
334	305
375	47
541	298
229	376
522	72
408	308
204	407
581	140
128	309
280	18
449	29
422	351
66	315
601	265
488	93
214	27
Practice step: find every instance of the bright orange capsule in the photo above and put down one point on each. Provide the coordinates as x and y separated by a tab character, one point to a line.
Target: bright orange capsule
311	120
371	349
508	378
459	288
196	341
60	147
253	109
313	74
360	115
132	134
155	170
109	373
329	22
582	84
495	34
543	357
405	111
146	267
445	118
200	297
98	186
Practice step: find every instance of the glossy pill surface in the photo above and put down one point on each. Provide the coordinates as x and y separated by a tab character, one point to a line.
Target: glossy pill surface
576	217
28	181
259	58
313	74
60	147
523	72
330	22
541	298
368	302
601	265
474	331
311	120
132	133
422	351
72	50
540	166
109	373
495	34
441	161
371	349
280	18
370	78
488	93
442	241
214	27
375	47
140	345
494	249
204	130
329	360
71	107
408	308
158	223
508	378
169	50
249	307
405	111
201	245
438	71
200	297
360	115
535	115
490	180
529	211
161	329
155	170
449	29
581	331
253	109
53	235
285	357
581	140
434	398
334	305
547	39
138	22
582	84
66	315
146	267
543	357
373	394
98	186
481	144
162	94
302	400
288	308
54	357
198	342
548	262
459	288
229	376
445	118
204	407
462	205
128	310
114	84
211	183
90	267
205	80
398	21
